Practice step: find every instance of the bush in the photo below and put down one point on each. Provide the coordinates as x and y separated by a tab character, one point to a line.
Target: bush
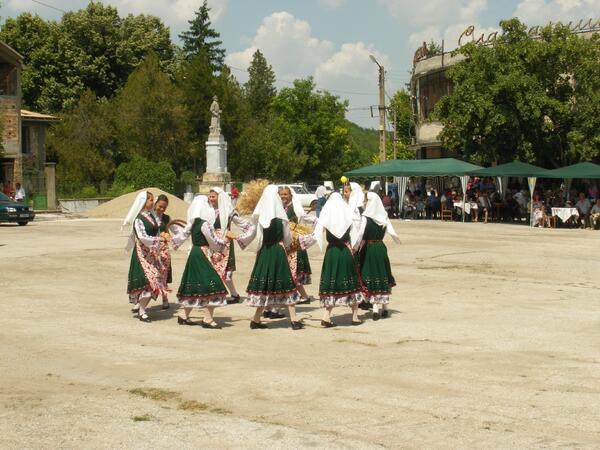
140	173
88	192
117	189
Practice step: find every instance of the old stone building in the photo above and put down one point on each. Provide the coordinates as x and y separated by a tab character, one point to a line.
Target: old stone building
23	154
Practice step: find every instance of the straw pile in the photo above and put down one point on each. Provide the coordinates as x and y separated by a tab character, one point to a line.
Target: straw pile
250	196
117	208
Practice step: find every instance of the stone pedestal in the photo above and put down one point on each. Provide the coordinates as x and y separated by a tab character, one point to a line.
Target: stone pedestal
216	165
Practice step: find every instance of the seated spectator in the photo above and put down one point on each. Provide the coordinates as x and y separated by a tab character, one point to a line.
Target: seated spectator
593	191
583	206
595	215
540	218
408	208
419	208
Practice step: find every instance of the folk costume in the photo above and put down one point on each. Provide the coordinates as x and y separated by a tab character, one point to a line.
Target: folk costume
298	260
356	203
163	221
340	282
201	285
149	266
271	282
224	262
374	264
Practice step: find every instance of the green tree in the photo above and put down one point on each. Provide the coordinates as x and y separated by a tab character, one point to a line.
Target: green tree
202	38
260	87
317	125
525	98
150	118
434	48
92	48
400	105
140	173
83	145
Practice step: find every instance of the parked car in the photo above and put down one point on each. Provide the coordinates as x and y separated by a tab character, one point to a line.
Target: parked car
11	211
307	199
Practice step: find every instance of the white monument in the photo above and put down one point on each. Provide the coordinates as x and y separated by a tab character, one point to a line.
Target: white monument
216	153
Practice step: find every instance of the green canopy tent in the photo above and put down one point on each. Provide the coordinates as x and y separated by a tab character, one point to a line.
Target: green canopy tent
585	170
514	169
405	168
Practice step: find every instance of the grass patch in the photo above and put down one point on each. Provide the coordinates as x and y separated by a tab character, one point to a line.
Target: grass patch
158	394
192	405
348	341
142	418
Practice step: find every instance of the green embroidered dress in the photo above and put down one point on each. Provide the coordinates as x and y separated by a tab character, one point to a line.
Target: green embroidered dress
375	268
303	271
340	283
148	268
201	285
271	282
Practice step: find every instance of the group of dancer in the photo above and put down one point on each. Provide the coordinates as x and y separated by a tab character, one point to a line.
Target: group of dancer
356	268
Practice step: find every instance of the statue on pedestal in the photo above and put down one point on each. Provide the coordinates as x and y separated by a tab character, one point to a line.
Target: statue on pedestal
215	120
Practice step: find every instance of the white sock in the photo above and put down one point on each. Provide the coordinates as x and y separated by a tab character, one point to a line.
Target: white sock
231	288
375	308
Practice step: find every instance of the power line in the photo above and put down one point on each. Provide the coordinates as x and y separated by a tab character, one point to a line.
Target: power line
319	87
49	6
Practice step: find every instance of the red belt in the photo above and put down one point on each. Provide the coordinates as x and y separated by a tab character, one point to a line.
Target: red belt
374	241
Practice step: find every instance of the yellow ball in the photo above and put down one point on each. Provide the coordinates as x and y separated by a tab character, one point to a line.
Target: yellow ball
344	179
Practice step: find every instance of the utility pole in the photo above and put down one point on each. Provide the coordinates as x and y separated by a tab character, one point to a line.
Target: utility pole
395	136
382	152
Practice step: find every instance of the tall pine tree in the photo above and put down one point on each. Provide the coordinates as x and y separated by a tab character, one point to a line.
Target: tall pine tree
260	87
202	37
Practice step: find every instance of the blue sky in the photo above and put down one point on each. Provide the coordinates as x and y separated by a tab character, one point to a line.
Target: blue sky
332	39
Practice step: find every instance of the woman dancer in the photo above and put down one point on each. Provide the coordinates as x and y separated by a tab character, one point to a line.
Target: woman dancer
375	269
299	262
201	286
225	215
163	220
150	263
321	194
354	196
271	282
340	282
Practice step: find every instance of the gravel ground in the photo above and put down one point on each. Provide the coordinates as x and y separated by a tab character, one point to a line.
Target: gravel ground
493	342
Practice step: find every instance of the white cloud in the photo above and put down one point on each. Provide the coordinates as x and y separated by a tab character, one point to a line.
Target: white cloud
290	47
540	12
171	11
330	4
437	19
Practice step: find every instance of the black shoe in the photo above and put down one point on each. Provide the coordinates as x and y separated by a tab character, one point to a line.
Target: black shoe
145	318
212	325
277	315
376	316
385	314
325	324
234	299
181	321
257	325
357	322
364	306
268	314
135	310
297	325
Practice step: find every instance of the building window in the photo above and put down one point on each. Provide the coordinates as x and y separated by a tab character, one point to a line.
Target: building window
8	79
432	88
25	141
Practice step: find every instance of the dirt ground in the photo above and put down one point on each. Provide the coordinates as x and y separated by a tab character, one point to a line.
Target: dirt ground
494	342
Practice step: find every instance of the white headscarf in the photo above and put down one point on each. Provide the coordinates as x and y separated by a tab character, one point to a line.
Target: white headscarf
225	206
376	211
269	207
321	191
336	217
357	197
200	208
297	204
136	208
